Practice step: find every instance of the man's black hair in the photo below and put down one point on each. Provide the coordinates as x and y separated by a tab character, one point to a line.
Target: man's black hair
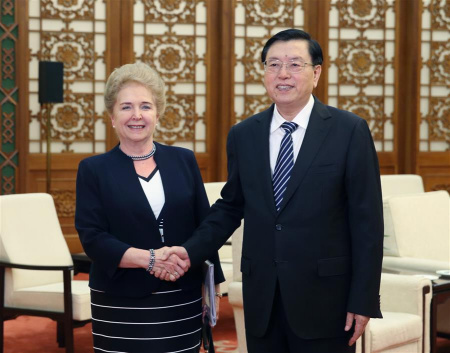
315	51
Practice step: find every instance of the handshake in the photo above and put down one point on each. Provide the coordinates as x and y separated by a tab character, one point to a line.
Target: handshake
170	263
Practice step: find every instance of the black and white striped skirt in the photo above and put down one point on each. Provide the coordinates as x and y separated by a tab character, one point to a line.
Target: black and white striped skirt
163	322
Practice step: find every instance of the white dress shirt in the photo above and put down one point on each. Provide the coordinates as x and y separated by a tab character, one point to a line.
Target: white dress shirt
277	132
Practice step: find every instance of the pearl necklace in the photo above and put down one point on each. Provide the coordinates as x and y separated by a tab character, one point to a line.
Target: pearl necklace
145	156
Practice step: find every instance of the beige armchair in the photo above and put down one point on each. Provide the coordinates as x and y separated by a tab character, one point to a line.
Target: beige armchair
393	185
405	327
225	252
230	255
400	184
235	290
421	228
36	266
405	303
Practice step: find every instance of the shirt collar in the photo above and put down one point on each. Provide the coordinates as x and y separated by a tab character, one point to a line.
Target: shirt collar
301	119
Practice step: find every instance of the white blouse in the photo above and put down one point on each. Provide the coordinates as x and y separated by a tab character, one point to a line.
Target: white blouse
154	191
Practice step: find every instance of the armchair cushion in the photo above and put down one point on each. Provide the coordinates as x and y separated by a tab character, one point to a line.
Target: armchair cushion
50	297
37	241
414	264
237	252
394	330
36	263
50	247
237	303
422	225
390	243
391	185
225	252
405	304
399	184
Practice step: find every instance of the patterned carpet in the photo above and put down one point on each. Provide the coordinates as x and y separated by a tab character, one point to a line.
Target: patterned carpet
28	334
224	346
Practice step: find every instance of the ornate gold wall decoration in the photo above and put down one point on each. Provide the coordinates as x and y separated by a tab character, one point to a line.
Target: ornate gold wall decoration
173	11
8	6
8	127
64	202
8	185
369	108
440	63
173	56
8	63
72	121
362	14
67	10
440	14
445	187
438	119
170	36
255	23
269	12
9	92
179	118
72	32
435	77
361	64
74	50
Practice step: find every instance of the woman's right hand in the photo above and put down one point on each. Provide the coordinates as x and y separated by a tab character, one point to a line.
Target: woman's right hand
169	268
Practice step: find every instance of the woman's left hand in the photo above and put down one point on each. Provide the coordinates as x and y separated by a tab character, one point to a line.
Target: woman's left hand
217	300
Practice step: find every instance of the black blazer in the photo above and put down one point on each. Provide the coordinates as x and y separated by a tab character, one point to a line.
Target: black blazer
325	245
113	214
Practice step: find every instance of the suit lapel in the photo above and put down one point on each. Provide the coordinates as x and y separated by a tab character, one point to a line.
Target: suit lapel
262	133
318	127
167	171
133	190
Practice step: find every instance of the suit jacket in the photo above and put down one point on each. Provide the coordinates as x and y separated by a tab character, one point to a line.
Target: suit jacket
113	214
324	247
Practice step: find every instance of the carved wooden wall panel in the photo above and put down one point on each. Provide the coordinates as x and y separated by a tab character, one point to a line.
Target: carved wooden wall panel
73	32
361	73
254	23
208	53
172	38
434	122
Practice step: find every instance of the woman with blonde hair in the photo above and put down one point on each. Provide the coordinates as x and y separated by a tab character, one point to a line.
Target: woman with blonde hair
132	202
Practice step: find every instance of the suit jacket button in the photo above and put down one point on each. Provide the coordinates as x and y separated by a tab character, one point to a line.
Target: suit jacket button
278	227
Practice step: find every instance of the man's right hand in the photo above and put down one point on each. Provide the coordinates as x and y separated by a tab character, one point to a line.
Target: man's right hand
171	263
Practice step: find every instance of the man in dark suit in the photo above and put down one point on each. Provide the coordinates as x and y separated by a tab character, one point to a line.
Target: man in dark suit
305	178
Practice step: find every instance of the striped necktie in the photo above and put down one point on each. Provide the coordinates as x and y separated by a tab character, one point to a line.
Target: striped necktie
285	163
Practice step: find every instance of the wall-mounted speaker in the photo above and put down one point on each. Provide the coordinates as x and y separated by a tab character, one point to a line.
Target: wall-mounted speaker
51	82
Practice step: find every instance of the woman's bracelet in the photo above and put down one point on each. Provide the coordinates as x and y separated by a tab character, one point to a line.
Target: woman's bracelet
151	263
220	295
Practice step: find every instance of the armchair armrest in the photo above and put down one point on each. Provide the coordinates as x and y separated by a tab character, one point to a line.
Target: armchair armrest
403	293
35	267
67	283
414	264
